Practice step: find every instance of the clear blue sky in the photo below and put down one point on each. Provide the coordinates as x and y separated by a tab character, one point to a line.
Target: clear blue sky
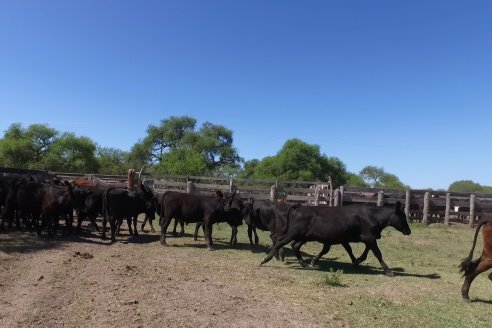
405	85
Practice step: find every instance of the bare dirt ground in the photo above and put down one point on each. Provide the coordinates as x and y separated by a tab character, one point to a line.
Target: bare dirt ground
82	281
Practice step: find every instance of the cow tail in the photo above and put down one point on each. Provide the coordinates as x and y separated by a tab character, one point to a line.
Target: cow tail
286	230
468	266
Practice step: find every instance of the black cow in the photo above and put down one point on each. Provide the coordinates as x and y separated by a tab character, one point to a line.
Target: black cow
341	225
90	200
33	201
267	216
158	199
120	203
199	208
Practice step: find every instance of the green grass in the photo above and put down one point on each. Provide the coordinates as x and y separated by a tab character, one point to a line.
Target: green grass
424	293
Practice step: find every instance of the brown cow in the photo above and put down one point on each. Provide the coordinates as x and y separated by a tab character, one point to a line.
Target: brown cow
470	268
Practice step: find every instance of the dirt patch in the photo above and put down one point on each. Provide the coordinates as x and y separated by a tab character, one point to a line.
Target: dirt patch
84	282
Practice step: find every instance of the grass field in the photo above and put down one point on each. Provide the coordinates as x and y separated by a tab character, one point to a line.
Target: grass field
424	293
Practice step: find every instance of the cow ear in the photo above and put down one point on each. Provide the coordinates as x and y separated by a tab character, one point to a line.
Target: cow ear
398	206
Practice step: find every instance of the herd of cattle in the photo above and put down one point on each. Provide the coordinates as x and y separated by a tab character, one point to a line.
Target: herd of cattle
39	206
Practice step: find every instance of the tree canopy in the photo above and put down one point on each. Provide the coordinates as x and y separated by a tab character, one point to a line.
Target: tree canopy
468	186
377	177
297	160
176	147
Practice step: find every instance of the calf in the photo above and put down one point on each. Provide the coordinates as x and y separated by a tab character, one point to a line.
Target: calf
340	225
470	268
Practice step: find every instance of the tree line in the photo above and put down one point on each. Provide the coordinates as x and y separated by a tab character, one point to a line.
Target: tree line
179	146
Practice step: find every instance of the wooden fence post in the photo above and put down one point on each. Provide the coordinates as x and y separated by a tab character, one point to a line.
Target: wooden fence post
231	185
472	210
407	203
380	202
336	198
330	192
273	193
425	211
341	195
317	192
190	187
448	208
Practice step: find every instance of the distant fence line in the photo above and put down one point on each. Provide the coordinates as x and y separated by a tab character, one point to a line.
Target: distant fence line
423	205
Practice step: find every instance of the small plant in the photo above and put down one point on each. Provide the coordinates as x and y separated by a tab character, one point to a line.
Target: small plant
333	278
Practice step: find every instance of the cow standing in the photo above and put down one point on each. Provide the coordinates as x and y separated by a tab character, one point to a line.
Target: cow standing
192	208
340	225
120	203
471	269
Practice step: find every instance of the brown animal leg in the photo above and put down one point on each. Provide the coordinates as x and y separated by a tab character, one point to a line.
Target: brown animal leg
482	266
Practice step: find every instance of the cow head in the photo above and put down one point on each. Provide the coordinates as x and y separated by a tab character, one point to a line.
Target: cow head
398	220
234	209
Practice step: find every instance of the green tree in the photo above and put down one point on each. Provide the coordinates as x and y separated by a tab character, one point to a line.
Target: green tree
176	147
26	148
111	160
298	160
467	186
70	153
377	177
354	180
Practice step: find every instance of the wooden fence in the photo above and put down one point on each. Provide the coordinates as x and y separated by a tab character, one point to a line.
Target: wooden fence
423	205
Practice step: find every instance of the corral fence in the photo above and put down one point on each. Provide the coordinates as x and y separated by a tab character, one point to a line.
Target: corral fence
427	206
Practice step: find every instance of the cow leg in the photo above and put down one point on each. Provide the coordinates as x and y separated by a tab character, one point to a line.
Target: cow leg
104	223
164	225
129	224
135	225
482	266
349	252
208	234
143	223
175	225
233	241
275	248
182	232
296	247
94	223
363	256
326	249
151	225
197	227
375	250
113	223
80	218
250	235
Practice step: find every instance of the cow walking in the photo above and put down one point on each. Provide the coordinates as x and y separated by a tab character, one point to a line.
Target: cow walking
192	208
340	225
471	269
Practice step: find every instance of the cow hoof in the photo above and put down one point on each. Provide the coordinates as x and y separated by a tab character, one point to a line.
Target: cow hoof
389	273
466	300
210	248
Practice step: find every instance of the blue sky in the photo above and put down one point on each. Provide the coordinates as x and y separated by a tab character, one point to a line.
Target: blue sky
405	85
